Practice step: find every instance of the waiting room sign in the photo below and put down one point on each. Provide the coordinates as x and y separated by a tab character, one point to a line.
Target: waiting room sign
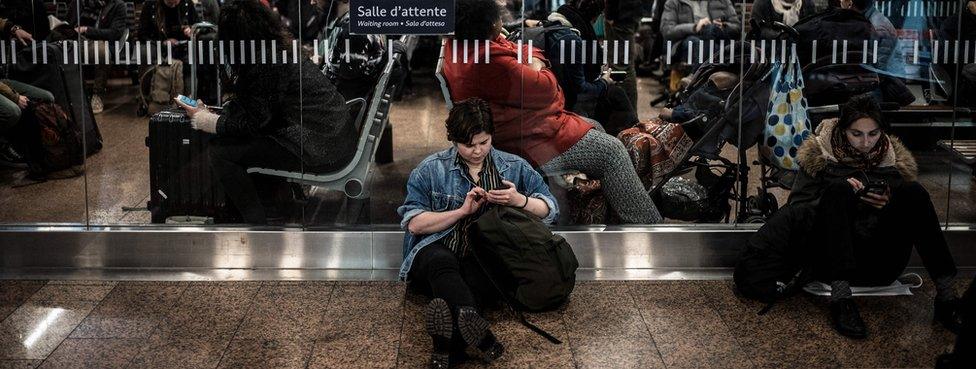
401	17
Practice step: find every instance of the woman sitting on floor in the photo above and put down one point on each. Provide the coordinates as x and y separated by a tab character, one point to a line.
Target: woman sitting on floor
857	189
447	193
530	118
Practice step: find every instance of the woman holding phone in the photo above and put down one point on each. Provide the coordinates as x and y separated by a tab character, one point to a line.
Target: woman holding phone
858	193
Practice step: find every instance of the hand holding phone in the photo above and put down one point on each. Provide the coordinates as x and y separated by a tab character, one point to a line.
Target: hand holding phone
618	75
188	101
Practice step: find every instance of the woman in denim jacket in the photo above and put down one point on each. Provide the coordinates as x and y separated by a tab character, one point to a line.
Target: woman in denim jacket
446	193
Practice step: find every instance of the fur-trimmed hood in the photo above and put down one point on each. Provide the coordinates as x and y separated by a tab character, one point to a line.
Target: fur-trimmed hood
814	156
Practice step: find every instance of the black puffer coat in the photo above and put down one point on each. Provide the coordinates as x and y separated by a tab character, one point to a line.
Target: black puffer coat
297	106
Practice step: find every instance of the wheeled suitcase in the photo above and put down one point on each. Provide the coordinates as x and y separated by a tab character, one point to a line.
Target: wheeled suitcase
183	187
182	184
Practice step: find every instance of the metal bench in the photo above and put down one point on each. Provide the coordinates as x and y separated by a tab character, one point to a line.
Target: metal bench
965	150
353	179
439	74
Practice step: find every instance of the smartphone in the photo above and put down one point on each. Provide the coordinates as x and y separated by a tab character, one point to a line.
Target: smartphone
618	75
877	187
187	101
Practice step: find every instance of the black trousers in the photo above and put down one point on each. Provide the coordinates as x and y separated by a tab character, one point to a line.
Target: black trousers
232	156
870	247
438	273
965	349
615	111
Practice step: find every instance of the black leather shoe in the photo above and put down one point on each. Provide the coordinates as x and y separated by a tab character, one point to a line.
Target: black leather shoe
10	158
847	319
474	330
949	314
440	326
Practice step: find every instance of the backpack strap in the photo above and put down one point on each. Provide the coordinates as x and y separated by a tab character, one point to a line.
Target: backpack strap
511	305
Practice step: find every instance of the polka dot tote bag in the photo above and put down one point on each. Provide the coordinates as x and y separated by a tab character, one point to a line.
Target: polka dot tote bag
787	124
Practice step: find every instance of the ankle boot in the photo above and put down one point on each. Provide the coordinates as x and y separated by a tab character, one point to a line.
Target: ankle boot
440	327
847	319
475	332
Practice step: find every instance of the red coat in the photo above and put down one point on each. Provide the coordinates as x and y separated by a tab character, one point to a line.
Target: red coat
527	106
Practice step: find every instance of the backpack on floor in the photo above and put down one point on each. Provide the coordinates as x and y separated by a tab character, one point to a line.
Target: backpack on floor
54	138
532	268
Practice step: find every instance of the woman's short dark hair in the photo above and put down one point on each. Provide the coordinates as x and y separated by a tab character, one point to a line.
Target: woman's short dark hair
862	106
589	9
476	19
245	20
468	118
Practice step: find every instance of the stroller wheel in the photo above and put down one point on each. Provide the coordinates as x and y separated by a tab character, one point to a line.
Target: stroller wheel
768	205
754	219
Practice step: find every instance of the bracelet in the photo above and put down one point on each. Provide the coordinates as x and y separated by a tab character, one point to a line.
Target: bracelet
15	28
525	204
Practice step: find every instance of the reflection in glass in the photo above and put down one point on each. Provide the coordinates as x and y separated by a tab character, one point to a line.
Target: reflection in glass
45	119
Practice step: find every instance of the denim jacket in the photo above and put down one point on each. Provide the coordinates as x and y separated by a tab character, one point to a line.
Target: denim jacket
438	184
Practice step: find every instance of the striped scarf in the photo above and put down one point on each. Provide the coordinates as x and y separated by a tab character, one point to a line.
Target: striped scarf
489	179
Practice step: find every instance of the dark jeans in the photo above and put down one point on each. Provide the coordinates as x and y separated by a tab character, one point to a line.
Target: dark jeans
232	156
438	273
870	247
679	54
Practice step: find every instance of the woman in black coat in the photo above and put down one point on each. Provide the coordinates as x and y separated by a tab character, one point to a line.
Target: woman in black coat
283	115
859	212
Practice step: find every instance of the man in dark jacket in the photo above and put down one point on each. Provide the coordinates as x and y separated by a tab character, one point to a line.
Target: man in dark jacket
620	24
30	15
588	90
101	21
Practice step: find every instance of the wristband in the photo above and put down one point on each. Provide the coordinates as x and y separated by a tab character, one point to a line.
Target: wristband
525	204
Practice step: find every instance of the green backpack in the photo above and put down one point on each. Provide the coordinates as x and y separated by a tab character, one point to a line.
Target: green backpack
532	268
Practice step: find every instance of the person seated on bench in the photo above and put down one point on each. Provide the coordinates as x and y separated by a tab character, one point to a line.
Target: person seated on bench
859	195
529	112
446	193
102	21
787	12
14	97
284	116
588	90
694	21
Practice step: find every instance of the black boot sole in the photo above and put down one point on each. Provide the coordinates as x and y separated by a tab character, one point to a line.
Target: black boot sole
474	330
439	326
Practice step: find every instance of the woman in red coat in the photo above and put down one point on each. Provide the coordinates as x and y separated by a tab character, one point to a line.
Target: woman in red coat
530	119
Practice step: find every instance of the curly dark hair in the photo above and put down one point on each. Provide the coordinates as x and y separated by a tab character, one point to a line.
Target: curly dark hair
245	20
467	118
476	19
861	106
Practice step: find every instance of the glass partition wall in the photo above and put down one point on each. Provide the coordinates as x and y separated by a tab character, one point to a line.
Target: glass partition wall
642	114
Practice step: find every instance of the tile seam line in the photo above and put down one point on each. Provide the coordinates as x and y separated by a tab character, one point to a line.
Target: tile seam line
79	323
250	308
630	293
163	317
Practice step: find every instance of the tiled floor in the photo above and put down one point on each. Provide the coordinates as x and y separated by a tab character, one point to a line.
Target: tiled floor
646	324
